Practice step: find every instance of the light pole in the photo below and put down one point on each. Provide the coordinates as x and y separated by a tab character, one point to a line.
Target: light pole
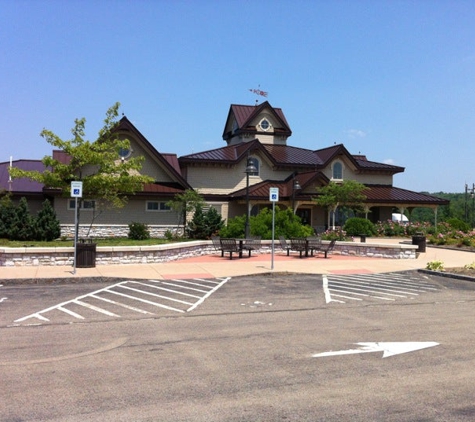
472	195
473	205
295	187
250	169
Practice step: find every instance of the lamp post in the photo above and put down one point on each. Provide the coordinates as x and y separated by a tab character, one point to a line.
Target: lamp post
473	205
250	169
295	187
472	195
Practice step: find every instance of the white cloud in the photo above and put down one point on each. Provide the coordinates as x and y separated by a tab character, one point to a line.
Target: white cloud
388	161
355	133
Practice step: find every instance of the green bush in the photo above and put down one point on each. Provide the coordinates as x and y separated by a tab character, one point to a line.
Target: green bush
286	224
457	224
355	226
138	231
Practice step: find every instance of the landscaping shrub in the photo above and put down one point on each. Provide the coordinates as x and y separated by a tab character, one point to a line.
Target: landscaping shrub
286	224
138	231
457	224
355	226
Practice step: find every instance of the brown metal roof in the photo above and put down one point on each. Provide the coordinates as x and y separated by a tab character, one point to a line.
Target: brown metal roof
390	194
162	188
22	185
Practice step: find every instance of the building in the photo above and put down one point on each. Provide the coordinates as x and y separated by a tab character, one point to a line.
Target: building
256	135
259	134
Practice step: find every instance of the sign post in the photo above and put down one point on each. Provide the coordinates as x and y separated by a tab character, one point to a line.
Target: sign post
273	197
76	192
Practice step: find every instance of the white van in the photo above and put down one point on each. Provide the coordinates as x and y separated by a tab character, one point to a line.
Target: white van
400	218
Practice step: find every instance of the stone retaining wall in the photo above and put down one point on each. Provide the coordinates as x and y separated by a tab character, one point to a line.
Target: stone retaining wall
114	230
164	253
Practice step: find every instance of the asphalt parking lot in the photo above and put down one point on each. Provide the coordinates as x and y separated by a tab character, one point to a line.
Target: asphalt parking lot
258	348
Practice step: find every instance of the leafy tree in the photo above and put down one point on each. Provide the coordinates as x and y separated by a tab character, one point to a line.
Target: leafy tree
47	226
347	194
185	203
97	164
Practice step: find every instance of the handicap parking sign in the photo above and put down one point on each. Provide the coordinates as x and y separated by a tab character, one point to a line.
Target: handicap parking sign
76	189
273	194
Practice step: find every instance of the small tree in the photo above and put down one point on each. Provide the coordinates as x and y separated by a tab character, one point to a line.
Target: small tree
7	212
47	226
97	164
348	193
204	224
22	224
185	203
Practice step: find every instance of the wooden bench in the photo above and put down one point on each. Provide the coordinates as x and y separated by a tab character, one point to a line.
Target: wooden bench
252	243
298	244
230	246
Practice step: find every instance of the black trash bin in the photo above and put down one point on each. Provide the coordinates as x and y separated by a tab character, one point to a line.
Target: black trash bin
85	254
362	238
420	241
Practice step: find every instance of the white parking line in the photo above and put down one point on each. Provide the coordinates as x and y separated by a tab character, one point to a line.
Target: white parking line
196	291
390	286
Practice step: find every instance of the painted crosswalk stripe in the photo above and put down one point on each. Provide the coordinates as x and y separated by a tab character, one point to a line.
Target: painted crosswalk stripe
159	305
94	308
123	305
156	295
187	293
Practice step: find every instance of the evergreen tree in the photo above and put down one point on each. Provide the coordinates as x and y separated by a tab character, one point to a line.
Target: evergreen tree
47	226
213	222
22	224
7	212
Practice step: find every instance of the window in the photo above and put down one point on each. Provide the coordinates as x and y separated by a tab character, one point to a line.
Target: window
265	125
86	204
255	163
338	171
156	206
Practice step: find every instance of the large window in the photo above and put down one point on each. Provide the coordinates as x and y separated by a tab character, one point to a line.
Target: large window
86	204
337	171
156	206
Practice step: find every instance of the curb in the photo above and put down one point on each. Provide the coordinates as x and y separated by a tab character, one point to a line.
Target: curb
448	275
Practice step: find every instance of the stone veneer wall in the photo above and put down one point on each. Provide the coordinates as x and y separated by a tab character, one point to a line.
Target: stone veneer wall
114	230
164	253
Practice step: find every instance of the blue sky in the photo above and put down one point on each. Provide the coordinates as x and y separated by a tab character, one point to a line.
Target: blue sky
394	80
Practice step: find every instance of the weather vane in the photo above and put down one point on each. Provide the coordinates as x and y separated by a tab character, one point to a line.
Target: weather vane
258	92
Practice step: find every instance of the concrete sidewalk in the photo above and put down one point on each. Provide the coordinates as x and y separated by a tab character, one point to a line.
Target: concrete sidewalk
211	266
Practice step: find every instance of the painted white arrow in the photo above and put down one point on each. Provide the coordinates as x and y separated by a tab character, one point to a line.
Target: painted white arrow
388	348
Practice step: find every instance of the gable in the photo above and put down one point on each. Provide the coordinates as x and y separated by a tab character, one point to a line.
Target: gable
263	121
162	167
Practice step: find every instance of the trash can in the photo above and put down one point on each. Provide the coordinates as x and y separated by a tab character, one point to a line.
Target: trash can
362	238
85	254
420	240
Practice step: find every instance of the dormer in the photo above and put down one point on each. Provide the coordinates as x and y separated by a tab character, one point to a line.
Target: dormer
245	123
